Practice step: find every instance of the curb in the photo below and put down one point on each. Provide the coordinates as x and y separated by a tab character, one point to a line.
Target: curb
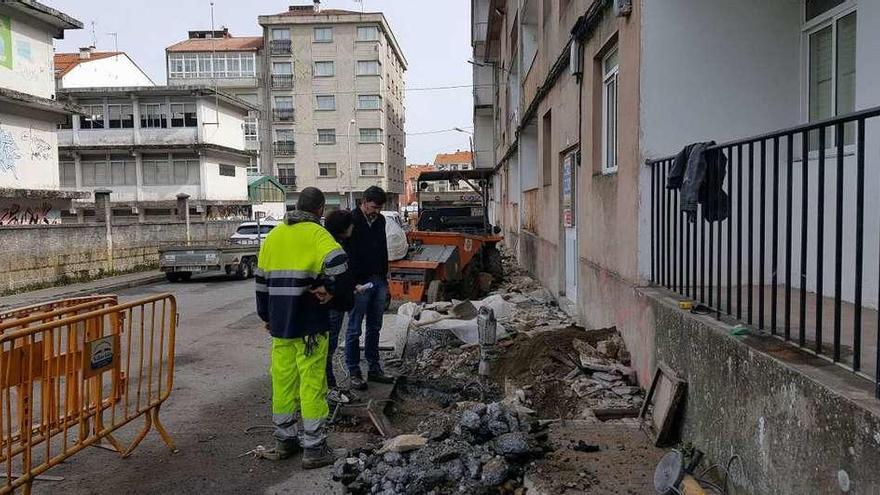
110	287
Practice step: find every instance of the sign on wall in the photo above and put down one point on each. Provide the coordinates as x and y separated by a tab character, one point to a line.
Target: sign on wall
5	42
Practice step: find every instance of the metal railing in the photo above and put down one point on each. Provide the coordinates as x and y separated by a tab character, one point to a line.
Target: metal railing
796	219
283	114
285	148
280	47
282	81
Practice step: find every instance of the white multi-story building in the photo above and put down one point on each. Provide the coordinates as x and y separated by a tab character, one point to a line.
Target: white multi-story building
148	145
29	113
334	100
231	63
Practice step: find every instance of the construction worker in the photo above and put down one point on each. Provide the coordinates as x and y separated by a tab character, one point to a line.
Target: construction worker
300	269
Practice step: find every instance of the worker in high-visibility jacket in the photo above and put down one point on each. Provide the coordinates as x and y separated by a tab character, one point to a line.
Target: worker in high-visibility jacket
300	269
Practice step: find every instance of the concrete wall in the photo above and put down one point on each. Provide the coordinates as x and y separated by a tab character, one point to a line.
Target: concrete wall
43	255
28	152
224	127
31	69
115	71
216	186
798	423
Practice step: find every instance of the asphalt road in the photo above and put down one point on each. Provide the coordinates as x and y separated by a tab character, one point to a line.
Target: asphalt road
221	389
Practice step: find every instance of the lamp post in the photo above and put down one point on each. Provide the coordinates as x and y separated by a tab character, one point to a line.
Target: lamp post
471	141
350	168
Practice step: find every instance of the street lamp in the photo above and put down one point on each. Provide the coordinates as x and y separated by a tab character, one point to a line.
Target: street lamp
350	167
471	140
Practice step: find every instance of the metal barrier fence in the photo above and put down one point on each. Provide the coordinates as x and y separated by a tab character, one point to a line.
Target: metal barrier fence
797	219
73	372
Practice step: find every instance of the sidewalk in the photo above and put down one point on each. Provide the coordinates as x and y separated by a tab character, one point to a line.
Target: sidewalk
104	285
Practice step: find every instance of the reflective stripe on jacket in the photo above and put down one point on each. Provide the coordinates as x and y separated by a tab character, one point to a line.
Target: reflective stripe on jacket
294	258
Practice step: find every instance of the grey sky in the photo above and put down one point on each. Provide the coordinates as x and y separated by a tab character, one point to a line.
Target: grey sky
435	41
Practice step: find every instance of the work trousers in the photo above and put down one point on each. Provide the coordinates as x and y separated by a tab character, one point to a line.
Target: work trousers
299	387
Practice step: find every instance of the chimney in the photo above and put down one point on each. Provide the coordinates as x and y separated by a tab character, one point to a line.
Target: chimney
85	52
317	5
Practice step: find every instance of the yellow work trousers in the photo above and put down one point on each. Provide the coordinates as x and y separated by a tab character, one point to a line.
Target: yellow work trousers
299	387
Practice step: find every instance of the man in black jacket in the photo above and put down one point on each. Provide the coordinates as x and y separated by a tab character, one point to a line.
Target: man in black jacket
369	256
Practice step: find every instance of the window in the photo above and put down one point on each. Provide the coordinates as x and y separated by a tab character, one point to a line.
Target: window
370	169
815	8
156	170
67	173
287	174
369	102
120	116
282	68
609	112
95	171
284	135
372	135
183	115
227	170
186	172
93	118
153	116
284	102
368	68
368	33
323	34
326	170
68	122
250	129
326	136
325	69
281	34
832	71
326	102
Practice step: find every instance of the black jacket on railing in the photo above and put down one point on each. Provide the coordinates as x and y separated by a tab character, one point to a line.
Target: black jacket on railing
699	174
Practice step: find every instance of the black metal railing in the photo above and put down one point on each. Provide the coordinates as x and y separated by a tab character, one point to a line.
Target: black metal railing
279	47
283	114
285	148
282	81
796	217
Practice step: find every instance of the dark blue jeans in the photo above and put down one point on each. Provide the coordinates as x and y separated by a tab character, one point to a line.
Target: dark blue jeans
336	318
369	306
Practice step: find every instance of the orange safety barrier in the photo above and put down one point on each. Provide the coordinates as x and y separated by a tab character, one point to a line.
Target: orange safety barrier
72	373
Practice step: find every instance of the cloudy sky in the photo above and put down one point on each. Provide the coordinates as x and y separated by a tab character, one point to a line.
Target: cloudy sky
434	39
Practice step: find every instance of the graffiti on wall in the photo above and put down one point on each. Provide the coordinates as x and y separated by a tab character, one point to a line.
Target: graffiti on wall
8	153
229	212
40	149
5	42
16	214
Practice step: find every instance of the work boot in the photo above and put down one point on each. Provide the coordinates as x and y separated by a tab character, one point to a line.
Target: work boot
357	382
379	376
318	457
284	449
337	396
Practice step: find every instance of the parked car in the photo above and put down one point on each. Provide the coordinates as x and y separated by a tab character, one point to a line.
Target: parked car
246	233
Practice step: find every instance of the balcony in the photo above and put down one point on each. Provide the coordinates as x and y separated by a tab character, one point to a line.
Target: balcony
282	81
288	181
285	148
283	114
280	47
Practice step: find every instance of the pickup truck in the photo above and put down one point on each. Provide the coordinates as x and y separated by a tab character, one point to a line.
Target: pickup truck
180	262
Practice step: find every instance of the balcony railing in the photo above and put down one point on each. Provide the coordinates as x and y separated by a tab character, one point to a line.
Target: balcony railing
282	81
279	47
288	181
285	148
283	114
796	203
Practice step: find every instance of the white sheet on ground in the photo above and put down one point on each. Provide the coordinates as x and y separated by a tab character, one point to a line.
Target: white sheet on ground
465	330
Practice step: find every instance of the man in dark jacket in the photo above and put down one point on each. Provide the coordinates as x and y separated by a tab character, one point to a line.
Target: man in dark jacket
300	270
369	255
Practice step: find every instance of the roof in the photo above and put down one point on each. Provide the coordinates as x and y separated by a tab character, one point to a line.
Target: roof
66	62
478	174
307	12
182	90
29	101
413	171
44	13
457	157
230	44
256	180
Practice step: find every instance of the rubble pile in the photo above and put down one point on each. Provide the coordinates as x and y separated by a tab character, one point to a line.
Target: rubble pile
474	448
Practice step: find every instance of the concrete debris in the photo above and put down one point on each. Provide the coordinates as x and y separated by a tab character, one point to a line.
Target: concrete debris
403	443
472	459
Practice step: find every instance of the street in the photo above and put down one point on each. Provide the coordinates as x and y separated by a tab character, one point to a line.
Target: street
221	387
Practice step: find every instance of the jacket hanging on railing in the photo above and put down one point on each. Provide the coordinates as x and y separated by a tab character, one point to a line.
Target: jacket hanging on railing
699	174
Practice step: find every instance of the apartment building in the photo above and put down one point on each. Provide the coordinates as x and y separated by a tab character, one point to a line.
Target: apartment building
232	64
458	160
334	100
149	145
29	113
89	68
581	107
